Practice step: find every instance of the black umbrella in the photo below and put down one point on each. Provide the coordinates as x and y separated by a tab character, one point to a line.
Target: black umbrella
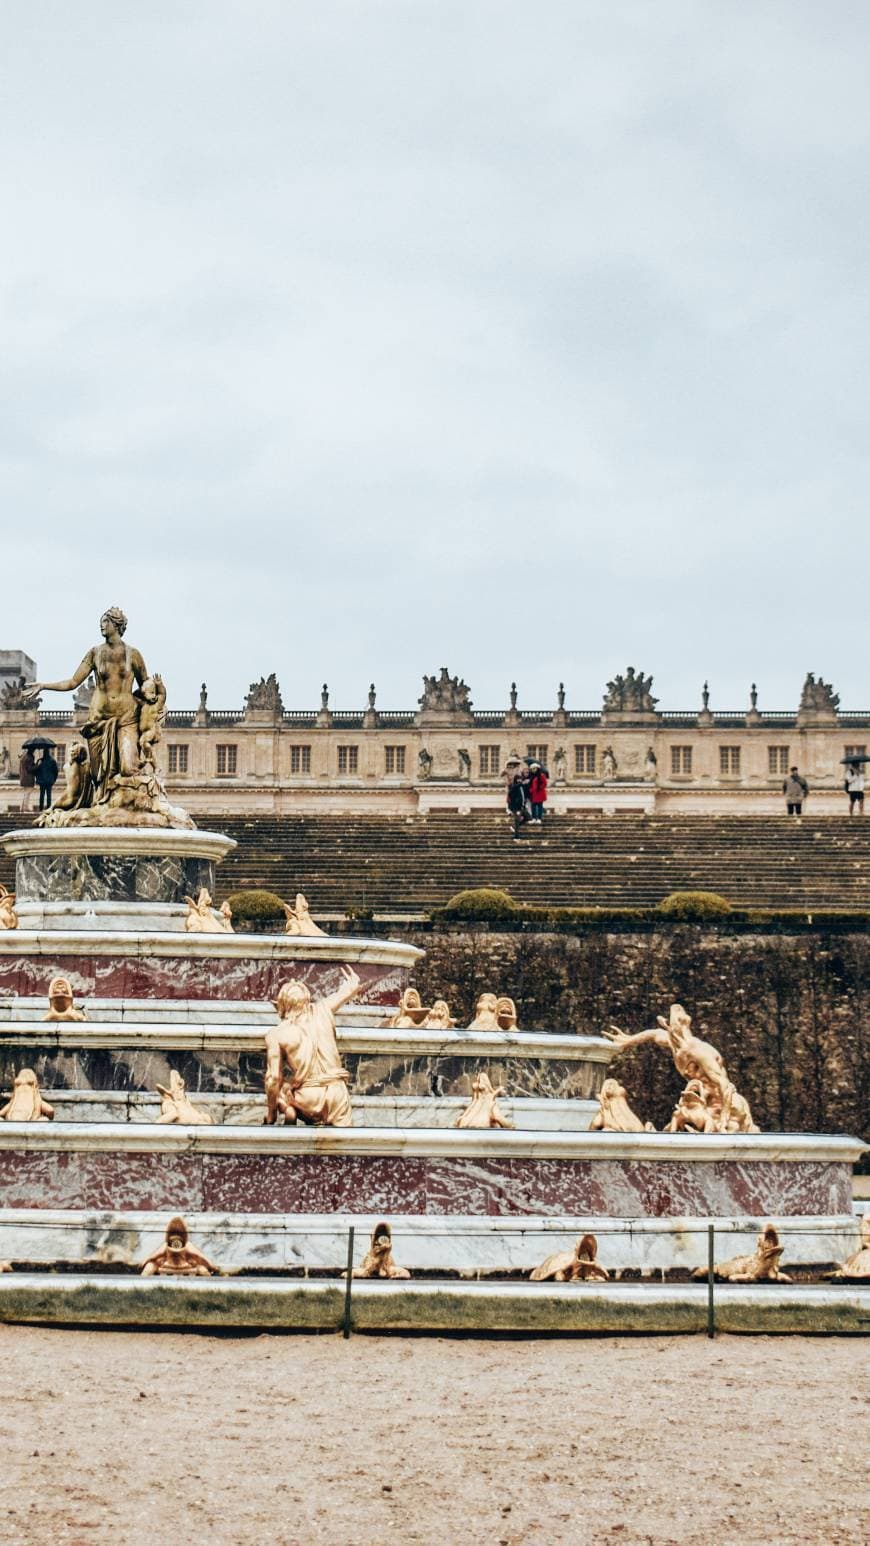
858	757
39	743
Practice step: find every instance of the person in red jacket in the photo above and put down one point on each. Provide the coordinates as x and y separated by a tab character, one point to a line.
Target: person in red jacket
538	791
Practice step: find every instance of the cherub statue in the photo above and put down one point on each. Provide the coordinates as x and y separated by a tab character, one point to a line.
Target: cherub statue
485	1013
695	1060
152	712
299	919
858	1266
8	915
378	1260
61	1002
483	1110
26	1103
506	1014
176	1105
614	1115
762	1267
577	1266
177	1258
305	1040
439	1018
202	918
410	1012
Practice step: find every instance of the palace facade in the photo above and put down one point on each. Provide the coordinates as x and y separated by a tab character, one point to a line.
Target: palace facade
626	755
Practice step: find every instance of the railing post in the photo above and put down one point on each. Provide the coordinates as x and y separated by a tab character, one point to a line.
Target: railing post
345	1330
711	1278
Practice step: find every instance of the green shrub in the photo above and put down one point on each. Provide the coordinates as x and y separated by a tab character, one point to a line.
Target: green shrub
483	905
256	907
693	906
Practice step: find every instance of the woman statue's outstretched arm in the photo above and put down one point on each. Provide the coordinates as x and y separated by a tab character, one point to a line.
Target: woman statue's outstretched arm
79	676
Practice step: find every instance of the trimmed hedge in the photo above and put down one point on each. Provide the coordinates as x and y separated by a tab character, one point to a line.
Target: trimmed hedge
563	920
484	905
256	907
693	906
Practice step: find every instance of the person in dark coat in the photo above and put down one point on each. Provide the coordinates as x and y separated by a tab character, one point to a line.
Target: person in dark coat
516	802
46	778
27	778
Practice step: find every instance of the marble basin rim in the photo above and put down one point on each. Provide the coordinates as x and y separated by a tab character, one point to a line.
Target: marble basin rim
208	947
139	842
427	1143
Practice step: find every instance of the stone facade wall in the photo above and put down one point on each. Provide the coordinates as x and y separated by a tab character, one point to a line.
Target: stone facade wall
791	1015
255	762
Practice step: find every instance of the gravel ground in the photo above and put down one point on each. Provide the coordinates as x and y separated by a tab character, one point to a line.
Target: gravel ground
159	1437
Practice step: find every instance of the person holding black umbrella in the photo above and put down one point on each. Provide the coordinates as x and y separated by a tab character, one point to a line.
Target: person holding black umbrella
27	777
46	778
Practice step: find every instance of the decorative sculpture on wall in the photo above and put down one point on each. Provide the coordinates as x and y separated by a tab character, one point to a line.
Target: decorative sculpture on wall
858	1266
26	1103
608	764
506	1013
265	695
560	765
614	1114
697	1061
378	1260
299	919
8	915
177	1258
19	695
176	1105
445	694
818	697
304	1039
439	1017
410	1012
762	1267
61	1002
121	731
485	1013
424	763
630	694
201	916
577	1266
483	1110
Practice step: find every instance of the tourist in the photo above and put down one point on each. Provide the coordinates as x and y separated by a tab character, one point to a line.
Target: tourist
795	788
516	802
538	791
46	777
27	777
855	788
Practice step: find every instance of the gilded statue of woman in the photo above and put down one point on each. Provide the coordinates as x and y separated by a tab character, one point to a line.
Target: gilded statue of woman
112	728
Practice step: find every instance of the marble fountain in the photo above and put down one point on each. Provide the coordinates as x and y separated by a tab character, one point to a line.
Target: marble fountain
104	908
102	900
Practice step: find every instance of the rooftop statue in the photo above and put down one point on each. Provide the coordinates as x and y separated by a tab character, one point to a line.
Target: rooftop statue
445	694
121	732
577	1266
701	1065
818	697
305	1040
630	694
265	694
17	695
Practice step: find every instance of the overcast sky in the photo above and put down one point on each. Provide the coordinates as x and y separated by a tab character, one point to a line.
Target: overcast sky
348	340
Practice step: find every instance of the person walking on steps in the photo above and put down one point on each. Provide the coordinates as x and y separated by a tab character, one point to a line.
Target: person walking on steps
538	792
516	803
854	787
795	788
27	778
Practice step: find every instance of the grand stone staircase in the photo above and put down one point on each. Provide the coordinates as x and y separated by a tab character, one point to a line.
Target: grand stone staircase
396	865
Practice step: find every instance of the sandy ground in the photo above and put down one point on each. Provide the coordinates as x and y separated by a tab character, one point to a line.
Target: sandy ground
132	1437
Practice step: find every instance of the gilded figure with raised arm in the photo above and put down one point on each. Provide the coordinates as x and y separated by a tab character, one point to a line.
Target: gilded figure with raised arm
304	1072
698	1062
